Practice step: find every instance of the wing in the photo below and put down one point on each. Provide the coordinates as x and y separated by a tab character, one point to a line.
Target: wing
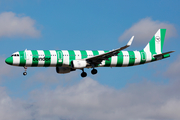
99	58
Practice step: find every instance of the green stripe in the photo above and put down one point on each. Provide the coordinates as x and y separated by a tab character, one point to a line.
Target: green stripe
107	63
131	58
71	56
95	52
47	55
22	58
83	54
163	32
34	55
59	63
119	59
152	45
142	53
166	55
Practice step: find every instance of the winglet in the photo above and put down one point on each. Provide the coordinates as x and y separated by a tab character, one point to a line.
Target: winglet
130	41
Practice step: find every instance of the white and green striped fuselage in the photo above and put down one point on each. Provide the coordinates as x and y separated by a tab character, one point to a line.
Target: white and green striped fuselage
66	61
63	58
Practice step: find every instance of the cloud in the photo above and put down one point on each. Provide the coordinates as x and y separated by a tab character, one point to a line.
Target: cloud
49	77
87	99
174	68
7	70
11	108
145	29
4	69
90	100
12	25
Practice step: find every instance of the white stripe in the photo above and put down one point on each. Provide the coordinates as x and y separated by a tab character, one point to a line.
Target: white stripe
65	58
16	59
41	55
148	53
113	61
137	57
148	56
77	54
147	49
103	62
158	42
125	58
28	58
53	58
89	53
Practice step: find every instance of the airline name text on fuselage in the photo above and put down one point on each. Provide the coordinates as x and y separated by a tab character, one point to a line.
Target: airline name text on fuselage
41	59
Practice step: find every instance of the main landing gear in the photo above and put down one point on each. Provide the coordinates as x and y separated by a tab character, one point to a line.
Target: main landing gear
25	73
94	71
84	74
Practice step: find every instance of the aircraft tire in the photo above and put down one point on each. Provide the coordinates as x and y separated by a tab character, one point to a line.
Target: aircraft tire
94	71
24	73
83	74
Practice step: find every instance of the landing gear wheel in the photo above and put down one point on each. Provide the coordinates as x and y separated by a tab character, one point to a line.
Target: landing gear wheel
24	73
94	71
83	74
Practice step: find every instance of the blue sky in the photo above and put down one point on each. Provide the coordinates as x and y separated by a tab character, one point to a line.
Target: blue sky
89	25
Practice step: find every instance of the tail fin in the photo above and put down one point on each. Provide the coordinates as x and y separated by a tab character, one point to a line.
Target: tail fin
155	46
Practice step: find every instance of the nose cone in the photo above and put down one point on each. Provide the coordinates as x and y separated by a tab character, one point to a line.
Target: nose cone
9	60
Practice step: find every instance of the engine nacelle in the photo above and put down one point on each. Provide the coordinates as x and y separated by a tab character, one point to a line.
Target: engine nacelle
63	70
78	64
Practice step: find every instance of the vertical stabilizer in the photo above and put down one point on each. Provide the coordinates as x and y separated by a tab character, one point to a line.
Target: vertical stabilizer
155	46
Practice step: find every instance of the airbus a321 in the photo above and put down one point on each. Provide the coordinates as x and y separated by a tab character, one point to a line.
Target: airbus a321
67	61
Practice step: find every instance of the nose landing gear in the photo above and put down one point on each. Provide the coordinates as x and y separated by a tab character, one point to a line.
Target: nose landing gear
25	73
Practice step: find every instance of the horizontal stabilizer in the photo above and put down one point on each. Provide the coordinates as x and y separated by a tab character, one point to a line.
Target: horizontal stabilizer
158	55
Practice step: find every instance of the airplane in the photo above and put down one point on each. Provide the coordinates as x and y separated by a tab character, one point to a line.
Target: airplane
67	61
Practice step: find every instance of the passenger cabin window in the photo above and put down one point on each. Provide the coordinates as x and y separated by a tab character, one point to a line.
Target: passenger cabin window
14	55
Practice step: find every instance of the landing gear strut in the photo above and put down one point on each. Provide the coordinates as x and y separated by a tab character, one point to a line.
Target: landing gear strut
94	71
83	74
25	73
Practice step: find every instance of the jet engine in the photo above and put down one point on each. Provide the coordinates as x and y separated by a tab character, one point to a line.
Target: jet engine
63	70
78	64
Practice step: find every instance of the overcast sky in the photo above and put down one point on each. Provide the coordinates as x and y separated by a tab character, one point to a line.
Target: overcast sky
145	92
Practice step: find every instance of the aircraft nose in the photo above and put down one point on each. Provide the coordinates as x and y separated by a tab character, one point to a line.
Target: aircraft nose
9	60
